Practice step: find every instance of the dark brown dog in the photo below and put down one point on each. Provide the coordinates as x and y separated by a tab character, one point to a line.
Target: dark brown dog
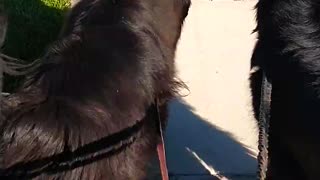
95	91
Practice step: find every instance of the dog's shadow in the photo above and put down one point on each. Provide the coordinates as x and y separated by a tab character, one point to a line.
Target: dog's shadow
193	146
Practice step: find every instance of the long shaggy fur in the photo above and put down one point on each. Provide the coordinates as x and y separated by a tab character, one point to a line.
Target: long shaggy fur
113	60
288	50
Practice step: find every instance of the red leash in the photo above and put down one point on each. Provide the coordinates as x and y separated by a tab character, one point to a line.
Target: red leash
162	159
161	149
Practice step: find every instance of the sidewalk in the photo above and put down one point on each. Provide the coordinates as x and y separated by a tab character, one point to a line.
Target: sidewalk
212	130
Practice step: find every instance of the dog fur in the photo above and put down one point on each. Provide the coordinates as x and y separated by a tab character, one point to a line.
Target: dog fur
288	52
113	60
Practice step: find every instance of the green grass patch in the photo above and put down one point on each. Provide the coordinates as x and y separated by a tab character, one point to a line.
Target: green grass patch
33	24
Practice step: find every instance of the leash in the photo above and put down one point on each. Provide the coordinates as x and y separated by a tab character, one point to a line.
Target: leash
161	149
263	124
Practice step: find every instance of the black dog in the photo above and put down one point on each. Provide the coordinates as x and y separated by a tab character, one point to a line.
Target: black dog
288	51
96	91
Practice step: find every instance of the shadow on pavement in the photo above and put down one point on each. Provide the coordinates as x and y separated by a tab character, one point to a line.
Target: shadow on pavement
196	148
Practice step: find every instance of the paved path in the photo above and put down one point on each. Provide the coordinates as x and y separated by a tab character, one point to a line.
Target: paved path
212	130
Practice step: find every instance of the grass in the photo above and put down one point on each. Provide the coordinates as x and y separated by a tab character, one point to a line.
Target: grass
33	24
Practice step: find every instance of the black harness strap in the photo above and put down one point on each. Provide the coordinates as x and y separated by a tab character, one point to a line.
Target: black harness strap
69	160
263	124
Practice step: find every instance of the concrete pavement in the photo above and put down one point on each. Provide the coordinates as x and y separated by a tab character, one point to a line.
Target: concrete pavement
212	131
